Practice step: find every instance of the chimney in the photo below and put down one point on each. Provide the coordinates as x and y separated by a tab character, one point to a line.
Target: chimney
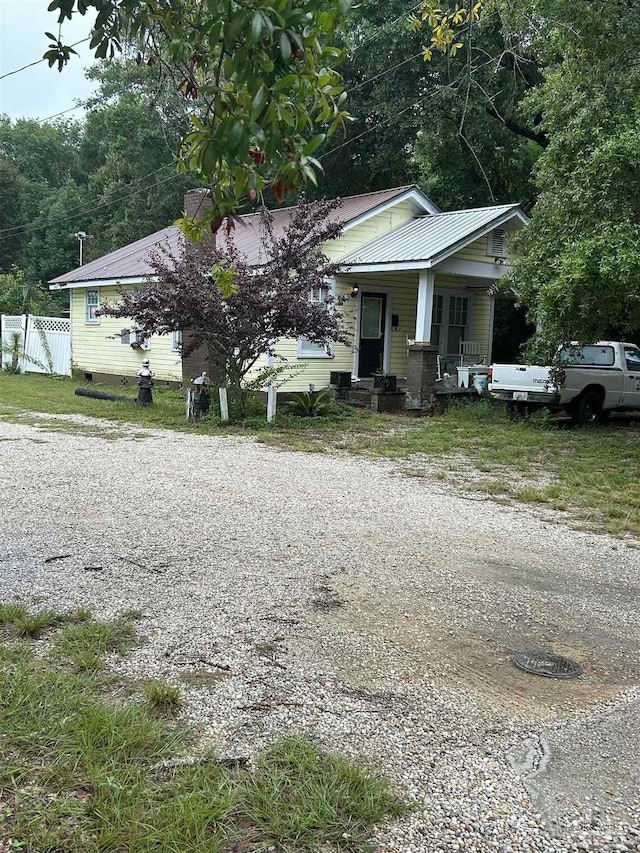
196	202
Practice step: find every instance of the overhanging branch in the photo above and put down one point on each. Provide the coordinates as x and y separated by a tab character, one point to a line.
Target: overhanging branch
539	137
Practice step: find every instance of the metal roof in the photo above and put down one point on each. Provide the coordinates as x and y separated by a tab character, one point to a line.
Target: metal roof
134	260
430	239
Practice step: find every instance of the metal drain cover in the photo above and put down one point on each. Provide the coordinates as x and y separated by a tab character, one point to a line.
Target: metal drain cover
547	664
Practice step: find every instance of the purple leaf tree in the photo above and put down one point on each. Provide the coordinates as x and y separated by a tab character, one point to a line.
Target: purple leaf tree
237	312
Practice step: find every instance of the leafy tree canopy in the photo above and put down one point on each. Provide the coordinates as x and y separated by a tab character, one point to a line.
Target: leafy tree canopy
578	100
260	78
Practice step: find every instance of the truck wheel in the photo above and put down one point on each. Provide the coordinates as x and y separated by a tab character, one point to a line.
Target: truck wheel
588	410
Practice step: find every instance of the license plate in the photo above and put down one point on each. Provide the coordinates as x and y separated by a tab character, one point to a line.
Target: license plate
520	395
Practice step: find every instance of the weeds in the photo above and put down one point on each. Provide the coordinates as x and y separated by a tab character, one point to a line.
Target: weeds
32	625
85	644
84	774
162	697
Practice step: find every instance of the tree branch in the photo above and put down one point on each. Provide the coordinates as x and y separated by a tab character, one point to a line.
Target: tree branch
540	137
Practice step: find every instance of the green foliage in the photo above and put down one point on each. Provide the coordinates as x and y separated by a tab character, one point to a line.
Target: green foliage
260	80
16	353
430	126
161	696
85	643
13	212
311	404
579	265
11	612
32	624
88	774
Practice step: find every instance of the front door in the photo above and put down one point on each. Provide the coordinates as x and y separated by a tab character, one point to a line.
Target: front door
373	309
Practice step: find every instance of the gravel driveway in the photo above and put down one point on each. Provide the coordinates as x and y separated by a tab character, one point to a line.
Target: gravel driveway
379	612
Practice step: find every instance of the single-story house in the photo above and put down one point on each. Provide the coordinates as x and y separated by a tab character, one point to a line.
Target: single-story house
412	274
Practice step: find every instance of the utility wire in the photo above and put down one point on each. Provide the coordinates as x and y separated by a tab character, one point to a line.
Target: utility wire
382	29
7	233
38	61
383	73
412	106
16	230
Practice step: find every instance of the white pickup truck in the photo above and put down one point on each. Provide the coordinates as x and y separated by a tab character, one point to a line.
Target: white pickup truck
588	382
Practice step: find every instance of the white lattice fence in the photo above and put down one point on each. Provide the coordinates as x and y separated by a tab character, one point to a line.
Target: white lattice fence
55	331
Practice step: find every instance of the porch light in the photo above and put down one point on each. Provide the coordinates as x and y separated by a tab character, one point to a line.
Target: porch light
354	291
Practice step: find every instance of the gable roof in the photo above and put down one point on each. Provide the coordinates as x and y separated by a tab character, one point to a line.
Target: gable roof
427	240
133	262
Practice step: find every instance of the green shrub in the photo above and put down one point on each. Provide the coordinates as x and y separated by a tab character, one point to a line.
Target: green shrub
311	404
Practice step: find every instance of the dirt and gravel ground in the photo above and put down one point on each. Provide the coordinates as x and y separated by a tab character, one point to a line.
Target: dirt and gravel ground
379	612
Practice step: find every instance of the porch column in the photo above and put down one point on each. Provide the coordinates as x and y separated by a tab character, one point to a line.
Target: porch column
422	369
425	306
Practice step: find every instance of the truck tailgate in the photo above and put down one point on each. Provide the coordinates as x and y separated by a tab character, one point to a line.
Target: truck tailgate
517	377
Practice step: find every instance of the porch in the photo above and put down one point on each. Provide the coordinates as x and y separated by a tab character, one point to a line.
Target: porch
386	313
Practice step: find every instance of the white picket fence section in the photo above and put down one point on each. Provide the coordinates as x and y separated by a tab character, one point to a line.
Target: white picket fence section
57	331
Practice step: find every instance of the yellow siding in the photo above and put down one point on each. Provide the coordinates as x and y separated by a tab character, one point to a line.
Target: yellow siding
362	234
96	350
316	371
476	251
480	329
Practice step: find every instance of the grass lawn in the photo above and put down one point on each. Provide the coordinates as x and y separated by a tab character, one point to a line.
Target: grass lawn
84	771
591	475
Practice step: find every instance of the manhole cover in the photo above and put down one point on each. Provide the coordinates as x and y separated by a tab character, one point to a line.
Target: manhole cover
547	664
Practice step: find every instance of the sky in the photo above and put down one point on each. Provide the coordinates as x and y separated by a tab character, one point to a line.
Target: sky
40	91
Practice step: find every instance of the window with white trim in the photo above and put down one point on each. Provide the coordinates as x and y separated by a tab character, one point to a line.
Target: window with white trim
497	243
312	349
458	322
125	337
436	319
176	340
136	340
92	306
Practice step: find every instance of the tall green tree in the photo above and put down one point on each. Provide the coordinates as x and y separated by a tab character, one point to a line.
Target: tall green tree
13	214
132	138
579	265
577	97
419	121
260	77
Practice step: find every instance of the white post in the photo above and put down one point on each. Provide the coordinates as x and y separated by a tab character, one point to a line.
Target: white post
272	393
224	405
425	306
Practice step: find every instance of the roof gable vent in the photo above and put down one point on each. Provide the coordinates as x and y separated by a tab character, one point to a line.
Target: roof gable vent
497	243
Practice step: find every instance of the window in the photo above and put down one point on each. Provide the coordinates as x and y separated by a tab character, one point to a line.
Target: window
311	349
436	319
176	340
592	356
125	336
497	243
632	357
458	321
92	306
136	340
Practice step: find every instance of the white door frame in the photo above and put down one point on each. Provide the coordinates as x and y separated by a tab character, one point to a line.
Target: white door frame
386	343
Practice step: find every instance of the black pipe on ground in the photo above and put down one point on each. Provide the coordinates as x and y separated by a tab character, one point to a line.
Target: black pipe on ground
102	395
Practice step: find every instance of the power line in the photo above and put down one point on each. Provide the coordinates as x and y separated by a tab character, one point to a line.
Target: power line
16	230
383	73
412	106
38	61
64	112
382	29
